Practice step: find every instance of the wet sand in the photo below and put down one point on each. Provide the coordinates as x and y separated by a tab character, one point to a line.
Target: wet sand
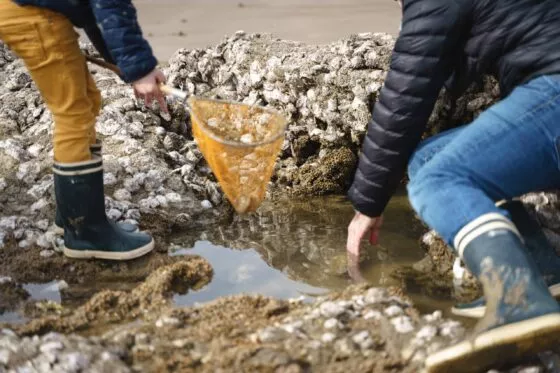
173	24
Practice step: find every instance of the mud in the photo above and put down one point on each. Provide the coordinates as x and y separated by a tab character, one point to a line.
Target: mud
434	275
109	307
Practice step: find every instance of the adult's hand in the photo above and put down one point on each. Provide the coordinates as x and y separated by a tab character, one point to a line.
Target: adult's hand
360	226
147	88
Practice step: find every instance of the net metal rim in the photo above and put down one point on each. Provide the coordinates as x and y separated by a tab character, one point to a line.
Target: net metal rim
237	144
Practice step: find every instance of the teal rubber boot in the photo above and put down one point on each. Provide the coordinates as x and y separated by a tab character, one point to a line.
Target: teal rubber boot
521	318
540	250
87	231
96	151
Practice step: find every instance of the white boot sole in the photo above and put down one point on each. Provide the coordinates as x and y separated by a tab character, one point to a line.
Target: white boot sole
478	312
109	255
492	348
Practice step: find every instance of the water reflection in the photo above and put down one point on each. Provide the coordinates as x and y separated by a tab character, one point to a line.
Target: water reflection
292	246
239	272
39	292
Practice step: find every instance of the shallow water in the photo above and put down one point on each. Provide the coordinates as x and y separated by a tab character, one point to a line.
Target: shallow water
49	291
286	249
289	249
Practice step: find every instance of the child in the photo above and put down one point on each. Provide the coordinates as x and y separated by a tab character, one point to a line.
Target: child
41	32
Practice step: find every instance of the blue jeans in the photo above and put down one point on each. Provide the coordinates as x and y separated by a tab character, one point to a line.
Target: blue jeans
509	150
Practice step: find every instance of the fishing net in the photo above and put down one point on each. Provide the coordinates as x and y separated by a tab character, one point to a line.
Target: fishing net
240	143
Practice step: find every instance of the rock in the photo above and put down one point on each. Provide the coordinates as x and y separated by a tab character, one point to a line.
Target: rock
402	324
5	355
375	295
271	334
114	214
363	340
73	362
46	253
344	348
62	285
332	324
122	195
393	310
435	316
167	321
328	337
109	179
206	204
427	333
42	224
331	309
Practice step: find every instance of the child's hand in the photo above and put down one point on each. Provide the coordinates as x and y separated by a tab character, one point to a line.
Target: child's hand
147	89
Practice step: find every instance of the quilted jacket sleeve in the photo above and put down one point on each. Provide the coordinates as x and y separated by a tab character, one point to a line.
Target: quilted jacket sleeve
123	37
421	61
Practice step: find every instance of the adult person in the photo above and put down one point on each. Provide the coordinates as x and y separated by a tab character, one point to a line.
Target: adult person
457	177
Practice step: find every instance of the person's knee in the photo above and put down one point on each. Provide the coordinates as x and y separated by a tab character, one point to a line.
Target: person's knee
427	188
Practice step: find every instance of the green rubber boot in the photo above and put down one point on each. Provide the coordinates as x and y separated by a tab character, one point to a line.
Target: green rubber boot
540	250
96	150
522	318
87	231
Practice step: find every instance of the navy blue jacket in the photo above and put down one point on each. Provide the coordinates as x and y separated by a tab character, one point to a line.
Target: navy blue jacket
513	40
112	27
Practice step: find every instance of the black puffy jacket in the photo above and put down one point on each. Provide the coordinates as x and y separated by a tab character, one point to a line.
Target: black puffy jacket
514	40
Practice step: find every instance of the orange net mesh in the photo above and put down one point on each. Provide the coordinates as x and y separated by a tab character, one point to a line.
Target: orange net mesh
240	144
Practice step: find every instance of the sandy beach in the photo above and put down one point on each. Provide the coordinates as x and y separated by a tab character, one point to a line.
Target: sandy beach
173	24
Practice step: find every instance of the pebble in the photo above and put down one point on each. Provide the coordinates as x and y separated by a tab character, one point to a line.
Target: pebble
206	204
427	333
51	346
293	327
363	340
344	348
331	309
109	179
451	328
435	316
62	285
167	321
73	362
46	253
328	337
402	324
42	224
160	131
271	334
173	198
373	314
376	295
122	195
114	214
5	280
39	205
35	150
393	310
5	355
331	324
